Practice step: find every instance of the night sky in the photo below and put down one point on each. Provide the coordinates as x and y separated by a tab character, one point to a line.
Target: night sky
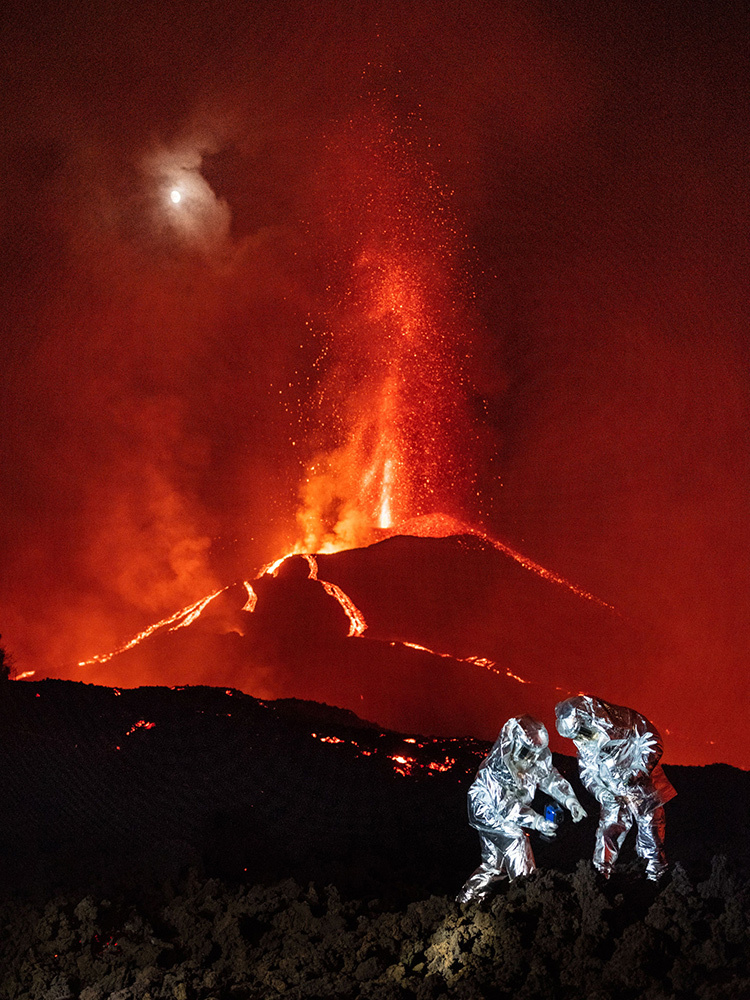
557	192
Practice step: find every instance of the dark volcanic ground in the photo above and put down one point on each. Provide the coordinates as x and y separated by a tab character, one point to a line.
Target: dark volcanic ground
197	843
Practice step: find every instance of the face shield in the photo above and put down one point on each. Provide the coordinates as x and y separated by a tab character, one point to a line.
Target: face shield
524	757
573	721
528	738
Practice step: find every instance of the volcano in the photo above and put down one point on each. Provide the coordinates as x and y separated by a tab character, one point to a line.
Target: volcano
446	636
268	798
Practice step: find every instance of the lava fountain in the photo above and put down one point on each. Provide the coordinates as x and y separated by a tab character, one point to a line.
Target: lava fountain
393	403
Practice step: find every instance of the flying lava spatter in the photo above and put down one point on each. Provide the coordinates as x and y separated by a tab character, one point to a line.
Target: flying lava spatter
393	402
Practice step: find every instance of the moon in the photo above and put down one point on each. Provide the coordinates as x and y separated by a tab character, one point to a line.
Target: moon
175	196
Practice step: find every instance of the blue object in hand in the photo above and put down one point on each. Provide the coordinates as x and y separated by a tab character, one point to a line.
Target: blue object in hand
553	812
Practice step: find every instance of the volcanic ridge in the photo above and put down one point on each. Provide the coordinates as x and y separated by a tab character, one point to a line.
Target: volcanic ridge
447	636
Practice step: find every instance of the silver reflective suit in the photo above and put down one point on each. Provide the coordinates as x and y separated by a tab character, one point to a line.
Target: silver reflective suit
499	803
618	759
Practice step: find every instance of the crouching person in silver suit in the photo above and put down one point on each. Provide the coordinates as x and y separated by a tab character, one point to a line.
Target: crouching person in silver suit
499	803
618	760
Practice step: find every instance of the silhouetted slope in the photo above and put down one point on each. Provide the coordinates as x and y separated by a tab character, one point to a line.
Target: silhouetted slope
100	785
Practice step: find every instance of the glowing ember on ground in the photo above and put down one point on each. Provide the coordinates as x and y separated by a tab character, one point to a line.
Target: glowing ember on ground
403	765
446	765
140	724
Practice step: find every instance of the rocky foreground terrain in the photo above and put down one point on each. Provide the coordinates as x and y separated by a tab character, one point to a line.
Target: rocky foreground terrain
197	843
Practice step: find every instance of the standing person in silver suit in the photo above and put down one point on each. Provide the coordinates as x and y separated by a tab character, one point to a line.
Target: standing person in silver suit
618	760
499	803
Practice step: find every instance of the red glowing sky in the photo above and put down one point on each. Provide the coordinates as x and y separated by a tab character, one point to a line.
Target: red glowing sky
555	198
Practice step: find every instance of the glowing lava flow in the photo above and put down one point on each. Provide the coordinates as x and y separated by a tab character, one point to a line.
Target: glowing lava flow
186	616
357	623
442	526
534	567
479	661
181	618
403	764
252	597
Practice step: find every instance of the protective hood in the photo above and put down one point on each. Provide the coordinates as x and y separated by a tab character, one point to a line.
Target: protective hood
574	716
521	738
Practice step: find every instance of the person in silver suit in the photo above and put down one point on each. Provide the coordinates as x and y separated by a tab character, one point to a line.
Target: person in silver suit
618	760
499	803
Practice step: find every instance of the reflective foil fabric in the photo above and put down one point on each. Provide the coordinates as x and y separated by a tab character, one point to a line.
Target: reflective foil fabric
618	759
499	803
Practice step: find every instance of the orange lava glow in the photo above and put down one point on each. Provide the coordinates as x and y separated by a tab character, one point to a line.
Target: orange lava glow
403	765
393	401
181	618
479	661
252	597
399	439
446	765
357	623
140	724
